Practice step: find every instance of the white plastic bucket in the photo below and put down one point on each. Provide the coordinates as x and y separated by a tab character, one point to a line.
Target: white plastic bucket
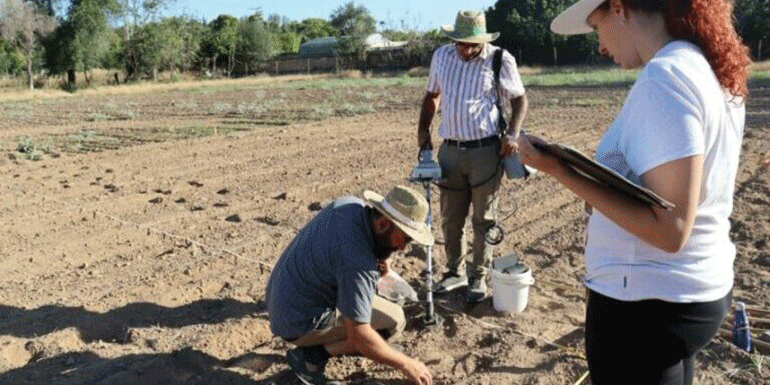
510	292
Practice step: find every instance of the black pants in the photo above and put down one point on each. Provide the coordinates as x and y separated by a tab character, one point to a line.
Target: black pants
648	342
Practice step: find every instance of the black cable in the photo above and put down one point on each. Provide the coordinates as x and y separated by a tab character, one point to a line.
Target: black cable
498	170
495	234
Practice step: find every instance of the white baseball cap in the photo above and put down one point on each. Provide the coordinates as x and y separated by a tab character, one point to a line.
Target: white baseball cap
574	20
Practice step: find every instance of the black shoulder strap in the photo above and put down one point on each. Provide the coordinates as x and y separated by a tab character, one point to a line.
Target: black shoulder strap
497	63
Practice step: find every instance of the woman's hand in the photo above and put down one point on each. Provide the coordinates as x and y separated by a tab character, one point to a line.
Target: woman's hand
531	156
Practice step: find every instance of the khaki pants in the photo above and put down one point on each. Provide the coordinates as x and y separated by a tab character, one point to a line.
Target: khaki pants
463	169
386	316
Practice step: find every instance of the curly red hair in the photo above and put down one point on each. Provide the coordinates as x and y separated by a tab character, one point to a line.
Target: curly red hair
708	24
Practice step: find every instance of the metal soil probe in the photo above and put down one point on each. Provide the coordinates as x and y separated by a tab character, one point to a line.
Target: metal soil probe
426	172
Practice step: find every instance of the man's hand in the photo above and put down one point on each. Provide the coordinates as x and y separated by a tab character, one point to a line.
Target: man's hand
424	143
417	372
361	338
508	145
429	107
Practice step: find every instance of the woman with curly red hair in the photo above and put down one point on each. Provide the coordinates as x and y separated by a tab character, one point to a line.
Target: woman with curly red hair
660	281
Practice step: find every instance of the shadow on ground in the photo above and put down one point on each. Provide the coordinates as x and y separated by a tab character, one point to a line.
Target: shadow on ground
113	325
188	366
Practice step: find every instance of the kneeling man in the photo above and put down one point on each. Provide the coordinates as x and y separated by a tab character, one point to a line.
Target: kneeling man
321	294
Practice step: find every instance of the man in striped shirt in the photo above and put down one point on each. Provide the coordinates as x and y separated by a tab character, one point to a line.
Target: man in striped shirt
461	82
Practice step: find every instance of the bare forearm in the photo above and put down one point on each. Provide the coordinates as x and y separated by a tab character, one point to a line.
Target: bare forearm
371	345
427	112
635	217
677	181
519	108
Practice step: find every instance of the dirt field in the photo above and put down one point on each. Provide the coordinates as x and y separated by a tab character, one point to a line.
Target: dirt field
137	248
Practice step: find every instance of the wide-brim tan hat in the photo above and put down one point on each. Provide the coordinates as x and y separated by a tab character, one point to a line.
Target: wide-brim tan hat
574	20
407	209
470	27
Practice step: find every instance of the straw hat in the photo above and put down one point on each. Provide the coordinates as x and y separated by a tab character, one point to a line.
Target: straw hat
407	209
470	27
573	21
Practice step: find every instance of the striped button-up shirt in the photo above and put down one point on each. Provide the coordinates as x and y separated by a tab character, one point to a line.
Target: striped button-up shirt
468	110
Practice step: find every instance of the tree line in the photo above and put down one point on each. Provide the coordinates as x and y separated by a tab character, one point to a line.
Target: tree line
524	31
128	36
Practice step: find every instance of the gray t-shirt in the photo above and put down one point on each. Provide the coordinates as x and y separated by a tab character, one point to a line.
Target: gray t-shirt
329	264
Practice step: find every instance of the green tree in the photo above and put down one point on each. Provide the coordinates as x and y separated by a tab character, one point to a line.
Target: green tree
11	59
135	14
24	26
169	44
752	22
285	34
436	36
255	43
312	28
354	24
222	40
193	33
83	40
113	58
524	28
287	41
149	45
400	35
350	19
44	6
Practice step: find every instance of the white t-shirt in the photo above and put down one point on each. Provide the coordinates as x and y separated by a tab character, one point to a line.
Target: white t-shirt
676	109
468	96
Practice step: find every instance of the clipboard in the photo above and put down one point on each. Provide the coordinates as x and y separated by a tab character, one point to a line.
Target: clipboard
601	174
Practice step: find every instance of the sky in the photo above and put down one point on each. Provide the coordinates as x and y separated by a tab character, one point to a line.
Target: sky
396	14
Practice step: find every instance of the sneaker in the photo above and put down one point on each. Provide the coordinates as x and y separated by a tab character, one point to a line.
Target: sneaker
477	290
449	282
307	373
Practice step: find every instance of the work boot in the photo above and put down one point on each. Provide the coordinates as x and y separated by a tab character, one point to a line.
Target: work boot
449	282
307	373
477	290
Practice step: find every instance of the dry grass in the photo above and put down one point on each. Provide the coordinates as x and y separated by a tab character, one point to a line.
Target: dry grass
8	82
761	66
144	87
14	89
352	74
